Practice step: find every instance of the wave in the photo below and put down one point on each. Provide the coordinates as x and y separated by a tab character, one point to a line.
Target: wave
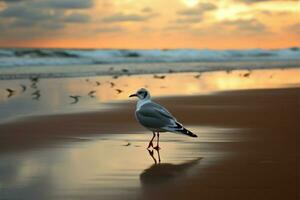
58	57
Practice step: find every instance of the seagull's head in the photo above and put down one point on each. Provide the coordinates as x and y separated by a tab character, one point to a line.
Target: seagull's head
141	94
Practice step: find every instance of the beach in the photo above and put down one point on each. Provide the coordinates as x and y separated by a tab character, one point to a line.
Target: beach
247	122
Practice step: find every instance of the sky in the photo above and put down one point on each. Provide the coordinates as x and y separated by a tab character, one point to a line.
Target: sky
150	24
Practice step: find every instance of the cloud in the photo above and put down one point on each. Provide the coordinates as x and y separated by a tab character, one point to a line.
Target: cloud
193	15
147	10
56	4
28	19
188	20
76	18
120	17
113	29
67	4
249	26
257	1
198	10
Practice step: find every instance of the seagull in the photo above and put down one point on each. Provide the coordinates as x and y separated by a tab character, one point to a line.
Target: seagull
197	76
247	74
119	91
76	98
112	84
156	118
34	79
159	77
92	93
98	83
10	92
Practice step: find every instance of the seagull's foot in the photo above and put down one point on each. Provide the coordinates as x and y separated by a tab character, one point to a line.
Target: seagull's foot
156	148
150	152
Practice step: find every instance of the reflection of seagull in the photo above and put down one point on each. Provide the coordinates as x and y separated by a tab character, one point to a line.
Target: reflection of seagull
76	98
156	118
33	85
10	92
36	95
23	87
91	93
119	91
165	173
159	77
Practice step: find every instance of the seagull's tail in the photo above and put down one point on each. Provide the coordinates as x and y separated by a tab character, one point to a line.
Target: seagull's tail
180	129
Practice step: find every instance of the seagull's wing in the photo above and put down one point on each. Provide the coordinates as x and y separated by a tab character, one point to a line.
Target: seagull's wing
153	115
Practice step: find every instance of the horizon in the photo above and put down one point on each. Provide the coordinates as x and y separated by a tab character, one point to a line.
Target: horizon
161	49
143	25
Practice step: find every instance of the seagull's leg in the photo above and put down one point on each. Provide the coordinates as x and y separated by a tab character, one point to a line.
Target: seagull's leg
158	155
151	141
157	146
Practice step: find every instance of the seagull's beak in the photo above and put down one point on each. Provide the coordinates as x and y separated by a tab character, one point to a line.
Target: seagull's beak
133	95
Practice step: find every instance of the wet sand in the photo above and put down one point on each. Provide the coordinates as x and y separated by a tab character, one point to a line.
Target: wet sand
263	163
248	148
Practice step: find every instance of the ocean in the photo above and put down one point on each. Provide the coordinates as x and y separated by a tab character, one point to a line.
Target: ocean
52	63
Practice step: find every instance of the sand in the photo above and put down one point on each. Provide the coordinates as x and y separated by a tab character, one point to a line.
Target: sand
263	164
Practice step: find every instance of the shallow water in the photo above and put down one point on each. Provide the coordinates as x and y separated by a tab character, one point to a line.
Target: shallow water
54	93
109	166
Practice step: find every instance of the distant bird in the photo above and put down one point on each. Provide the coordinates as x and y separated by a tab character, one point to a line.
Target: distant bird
159	77
23	87
247	74
197	76
228	71
112	84
115	77
34	79
76	98
87	80
119	91
171	71
10	92
156	118
125	70
91	93
126	145
98	83
33	85
36	95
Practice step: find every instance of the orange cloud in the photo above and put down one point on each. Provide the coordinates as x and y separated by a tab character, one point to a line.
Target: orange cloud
148	24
